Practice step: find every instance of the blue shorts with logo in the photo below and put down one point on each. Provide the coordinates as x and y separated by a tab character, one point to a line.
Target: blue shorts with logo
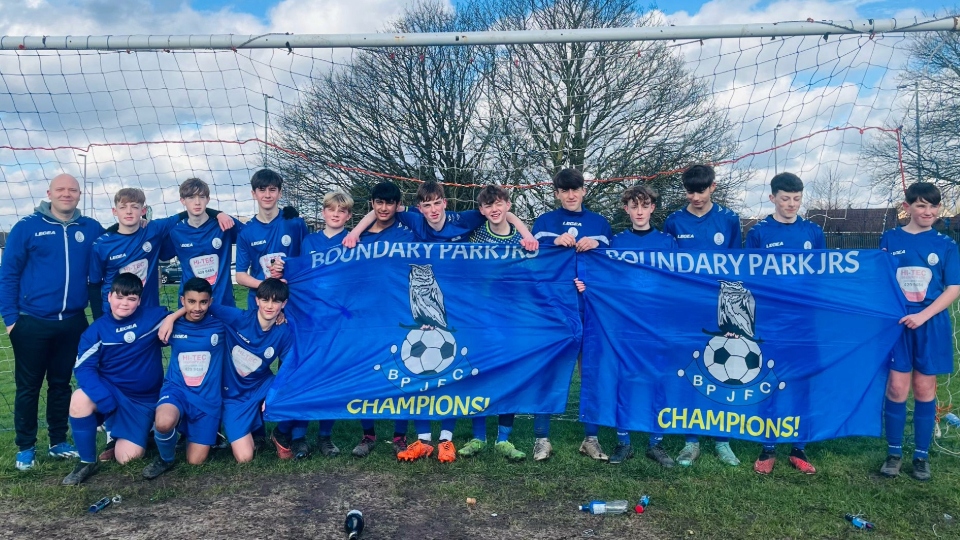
244	414
132	420
198	426
927	349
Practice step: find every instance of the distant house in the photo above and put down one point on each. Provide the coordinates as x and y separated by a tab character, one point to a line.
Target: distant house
855	220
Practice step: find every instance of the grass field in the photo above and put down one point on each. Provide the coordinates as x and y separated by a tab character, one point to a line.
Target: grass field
270	498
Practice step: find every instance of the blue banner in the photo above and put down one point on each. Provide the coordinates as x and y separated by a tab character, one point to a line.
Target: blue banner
404	331
766	346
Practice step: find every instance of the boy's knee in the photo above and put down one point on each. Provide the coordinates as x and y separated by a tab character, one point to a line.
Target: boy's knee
126	454
81	405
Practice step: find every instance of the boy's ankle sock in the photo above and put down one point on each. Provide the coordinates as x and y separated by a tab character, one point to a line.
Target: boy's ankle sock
425	437
367	426
924	418
895	420
541	426
591	430
623	437
691	438
400	428
85	437
768	448
503	433
166	444
370	433
480	428
655	440
446	435
422	426
325	430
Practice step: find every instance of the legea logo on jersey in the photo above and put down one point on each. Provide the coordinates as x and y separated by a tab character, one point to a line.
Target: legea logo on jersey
428	357
731	368
78	236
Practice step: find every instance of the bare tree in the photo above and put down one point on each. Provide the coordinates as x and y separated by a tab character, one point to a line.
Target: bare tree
406	112
931	84
611	109
827	192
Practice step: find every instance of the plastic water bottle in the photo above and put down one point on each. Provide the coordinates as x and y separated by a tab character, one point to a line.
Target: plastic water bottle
858	522
643	504
353	526
601	507
952	419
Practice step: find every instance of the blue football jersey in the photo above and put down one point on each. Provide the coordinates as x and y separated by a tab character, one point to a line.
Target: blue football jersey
456	228
124	353
259	243
927	263
581	224
197	356
251	350
398	232
769	233
206	252
717	229
319	242
650	239
137	253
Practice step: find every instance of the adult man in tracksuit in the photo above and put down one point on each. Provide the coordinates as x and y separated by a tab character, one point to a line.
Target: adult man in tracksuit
43	294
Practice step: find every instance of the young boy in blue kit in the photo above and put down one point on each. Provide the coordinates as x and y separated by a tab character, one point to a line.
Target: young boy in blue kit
570	226
190	399
784	229
704	225
494	205
119	372
639	203
929	276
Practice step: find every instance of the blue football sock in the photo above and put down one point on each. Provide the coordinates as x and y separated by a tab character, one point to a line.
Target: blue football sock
769	448
691	438
399	428
800	446
480	428
541	426
260	432
591	430
366	424
325	430
166	444
721	439
924	416
85	437
503	433
448	424
623	437
895	419
422	427
655	439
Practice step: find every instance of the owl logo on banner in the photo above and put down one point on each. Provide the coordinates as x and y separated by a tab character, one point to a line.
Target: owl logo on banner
428	357
731	369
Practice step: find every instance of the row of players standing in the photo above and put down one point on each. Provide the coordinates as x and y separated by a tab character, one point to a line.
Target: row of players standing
266	240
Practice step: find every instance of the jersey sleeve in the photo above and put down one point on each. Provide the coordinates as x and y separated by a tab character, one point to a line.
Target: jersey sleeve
14	261
160	228
753	238
471	219
243	256
229	315
87	372
820	241
951	264
98	266
414	221
736	234
884	241
673	243
669	226
607	232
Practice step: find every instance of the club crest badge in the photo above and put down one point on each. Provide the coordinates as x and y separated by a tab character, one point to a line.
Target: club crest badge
731	369
78	236
428	356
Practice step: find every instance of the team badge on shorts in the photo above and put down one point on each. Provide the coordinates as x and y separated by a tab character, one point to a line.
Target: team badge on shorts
428	357
731	368
718	239
932	259
78	236
285	240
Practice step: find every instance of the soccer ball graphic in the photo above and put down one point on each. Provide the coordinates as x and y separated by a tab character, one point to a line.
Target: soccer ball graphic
428	352
734	360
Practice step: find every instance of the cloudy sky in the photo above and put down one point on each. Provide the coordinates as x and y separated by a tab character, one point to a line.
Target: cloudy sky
96	98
